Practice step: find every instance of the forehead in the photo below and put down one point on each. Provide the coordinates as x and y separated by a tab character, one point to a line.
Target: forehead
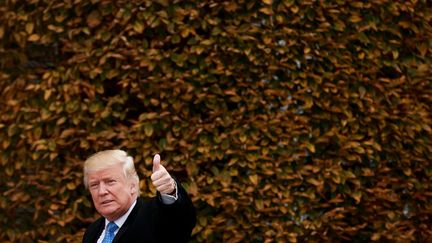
112	171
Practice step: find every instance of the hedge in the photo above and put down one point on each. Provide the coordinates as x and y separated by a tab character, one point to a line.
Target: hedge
299	121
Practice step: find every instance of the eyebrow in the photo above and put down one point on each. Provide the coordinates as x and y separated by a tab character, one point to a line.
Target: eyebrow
103	179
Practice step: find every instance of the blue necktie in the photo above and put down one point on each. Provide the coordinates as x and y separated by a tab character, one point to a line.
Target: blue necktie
109	232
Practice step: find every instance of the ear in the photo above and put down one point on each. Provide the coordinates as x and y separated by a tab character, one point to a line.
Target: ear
133	187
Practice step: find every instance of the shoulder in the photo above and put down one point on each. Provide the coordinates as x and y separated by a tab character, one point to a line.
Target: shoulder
144	206
145	202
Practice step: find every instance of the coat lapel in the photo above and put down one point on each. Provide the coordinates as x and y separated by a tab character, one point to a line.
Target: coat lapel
128	222
100	225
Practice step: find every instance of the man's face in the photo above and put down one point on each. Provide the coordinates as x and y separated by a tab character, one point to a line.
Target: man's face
111	192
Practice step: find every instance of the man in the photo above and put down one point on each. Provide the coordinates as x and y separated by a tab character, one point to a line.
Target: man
113	183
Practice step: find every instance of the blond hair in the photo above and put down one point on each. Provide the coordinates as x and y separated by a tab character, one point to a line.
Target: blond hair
106	158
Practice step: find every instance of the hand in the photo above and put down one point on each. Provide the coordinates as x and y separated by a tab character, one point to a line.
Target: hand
161	179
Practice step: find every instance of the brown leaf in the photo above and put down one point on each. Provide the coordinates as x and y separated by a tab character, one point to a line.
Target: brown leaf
94	19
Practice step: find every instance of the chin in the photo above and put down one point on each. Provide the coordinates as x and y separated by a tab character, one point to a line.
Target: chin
107	210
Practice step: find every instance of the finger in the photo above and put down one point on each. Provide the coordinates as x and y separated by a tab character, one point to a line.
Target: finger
162	181
156	162
161	172
166	188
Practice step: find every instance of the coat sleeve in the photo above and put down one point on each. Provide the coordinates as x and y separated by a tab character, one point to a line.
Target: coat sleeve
174	222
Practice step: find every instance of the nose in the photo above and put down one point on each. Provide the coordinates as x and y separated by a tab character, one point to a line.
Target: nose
102	189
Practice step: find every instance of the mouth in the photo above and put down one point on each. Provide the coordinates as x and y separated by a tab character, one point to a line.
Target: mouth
106	202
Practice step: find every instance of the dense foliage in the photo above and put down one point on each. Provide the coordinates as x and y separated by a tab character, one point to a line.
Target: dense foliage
286	120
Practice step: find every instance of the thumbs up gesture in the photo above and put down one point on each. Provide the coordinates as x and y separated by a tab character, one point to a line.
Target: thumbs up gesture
160	177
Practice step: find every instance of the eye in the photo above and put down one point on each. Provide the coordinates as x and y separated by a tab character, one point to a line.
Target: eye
93	185
111	182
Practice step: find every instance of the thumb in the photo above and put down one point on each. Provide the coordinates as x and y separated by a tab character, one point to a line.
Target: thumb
156	162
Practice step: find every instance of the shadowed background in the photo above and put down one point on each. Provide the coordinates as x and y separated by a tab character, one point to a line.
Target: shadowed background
299	121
